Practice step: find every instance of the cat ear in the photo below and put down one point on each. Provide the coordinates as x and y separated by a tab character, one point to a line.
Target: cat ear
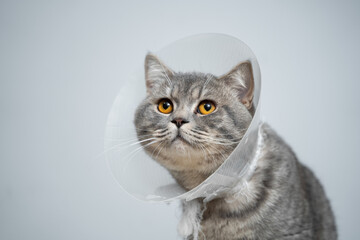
156	73
242	80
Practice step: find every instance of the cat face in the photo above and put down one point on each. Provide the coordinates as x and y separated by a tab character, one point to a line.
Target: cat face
193	121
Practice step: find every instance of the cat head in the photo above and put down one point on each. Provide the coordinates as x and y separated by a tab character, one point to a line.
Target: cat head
191	122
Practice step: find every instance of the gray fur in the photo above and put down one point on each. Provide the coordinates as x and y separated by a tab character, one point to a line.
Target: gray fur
284	199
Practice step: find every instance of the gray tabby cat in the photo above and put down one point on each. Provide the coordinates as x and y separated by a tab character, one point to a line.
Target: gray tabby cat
197	120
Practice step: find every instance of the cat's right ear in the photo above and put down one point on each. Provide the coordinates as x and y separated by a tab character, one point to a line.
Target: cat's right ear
156	73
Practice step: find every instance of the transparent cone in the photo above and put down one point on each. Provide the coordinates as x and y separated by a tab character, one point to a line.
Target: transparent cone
138	173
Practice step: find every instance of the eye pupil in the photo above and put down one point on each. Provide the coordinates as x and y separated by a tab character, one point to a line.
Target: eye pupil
207	106
166	105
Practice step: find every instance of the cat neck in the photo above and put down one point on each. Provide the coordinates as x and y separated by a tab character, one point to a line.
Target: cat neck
189	179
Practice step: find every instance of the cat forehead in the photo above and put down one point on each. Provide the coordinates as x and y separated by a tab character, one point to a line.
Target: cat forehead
187	80
190	85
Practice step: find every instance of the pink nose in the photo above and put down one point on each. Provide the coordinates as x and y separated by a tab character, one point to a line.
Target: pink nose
179	122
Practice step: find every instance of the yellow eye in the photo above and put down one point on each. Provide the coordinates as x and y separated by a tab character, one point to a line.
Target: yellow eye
165	106
206	107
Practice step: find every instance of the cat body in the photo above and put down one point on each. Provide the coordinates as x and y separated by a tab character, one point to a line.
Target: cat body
191	122
282	200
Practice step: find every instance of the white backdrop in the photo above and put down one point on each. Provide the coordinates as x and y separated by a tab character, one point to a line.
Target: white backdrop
63	62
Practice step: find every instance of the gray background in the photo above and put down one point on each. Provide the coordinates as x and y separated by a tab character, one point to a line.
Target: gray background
62	63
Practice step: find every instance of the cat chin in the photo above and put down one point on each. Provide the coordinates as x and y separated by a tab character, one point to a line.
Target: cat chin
180	145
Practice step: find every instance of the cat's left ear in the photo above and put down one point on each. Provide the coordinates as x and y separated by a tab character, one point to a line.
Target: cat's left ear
242	80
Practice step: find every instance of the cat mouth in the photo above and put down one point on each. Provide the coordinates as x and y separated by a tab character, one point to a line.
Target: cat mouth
180	138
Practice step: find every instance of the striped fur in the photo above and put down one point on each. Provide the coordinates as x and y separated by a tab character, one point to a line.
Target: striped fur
284	200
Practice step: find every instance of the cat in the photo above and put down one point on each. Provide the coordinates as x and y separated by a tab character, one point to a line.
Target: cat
197	120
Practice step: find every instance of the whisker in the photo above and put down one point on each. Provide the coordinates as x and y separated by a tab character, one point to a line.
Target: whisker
224	140
127	139
137	136
207	134
121	145
220	141
162	135
159	131
141	141
139	148
200	132
132	154
160	149
152	154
